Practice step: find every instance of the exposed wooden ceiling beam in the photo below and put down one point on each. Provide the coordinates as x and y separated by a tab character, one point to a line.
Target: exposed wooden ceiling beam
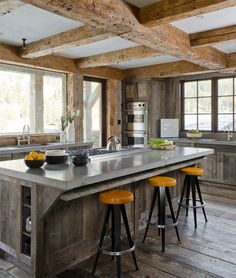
164	70
59	42
167	11
214	36
180	68
116	16
116	57
10	55
103	72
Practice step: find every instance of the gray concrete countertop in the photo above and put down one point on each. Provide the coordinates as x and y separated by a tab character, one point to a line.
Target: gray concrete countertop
67	176
38	147
206	141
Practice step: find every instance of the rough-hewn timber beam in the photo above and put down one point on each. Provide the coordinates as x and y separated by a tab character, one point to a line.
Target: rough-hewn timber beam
116	57
103	72
116	16
181	68
167	11
76	37
10	55
164	70
214	36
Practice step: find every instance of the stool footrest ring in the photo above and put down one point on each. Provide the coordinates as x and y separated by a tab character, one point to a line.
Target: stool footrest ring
163	226
115	253
191	206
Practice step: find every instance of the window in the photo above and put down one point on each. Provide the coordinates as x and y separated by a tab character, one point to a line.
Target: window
226	103
197	105
94	111
30	97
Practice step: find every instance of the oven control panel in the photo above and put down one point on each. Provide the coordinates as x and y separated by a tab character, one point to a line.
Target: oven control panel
137	105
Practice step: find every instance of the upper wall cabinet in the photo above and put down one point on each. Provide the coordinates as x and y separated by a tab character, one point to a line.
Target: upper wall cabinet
137	90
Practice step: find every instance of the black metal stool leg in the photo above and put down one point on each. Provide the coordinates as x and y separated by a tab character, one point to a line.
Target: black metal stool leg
187	194
200	197
182	196
158	210
194	200
128	234
162	215
102	237
112	231
117	233
172	211
150	214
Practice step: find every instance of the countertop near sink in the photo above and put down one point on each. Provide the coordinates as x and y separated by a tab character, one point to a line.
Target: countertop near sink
205	141
38	147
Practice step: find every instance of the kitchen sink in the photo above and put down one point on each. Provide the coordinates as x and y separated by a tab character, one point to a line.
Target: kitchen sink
31	145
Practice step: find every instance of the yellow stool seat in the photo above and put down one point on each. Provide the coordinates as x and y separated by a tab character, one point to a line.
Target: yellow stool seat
116	197
192	171
162	181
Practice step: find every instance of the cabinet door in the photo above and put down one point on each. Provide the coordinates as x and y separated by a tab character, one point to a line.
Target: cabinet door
131	91
18	155
143	89
211	168
4	157
229	167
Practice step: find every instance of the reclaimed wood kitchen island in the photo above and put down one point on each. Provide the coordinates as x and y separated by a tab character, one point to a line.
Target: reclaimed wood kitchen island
62	201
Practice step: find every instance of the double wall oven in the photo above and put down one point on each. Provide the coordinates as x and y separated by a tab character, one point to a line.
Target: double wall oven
136	123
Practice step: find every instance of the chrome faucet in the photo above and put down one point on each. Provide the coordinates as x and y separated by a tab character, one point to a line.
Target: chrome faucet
26	130
229	132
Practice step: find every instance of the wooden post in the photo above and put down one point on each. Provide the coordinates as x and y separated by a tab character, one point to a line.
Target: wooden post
113	107
75	101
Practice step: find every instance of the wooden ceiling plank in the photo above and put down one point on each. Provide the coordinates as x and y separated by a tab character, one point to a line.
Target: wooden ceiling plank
59	42
213	36
117	17
167	11
116	57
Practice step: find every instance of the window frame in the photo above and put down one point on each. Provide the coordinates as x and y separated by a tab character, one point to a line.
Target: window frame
35	72
214	94
197	98
103	83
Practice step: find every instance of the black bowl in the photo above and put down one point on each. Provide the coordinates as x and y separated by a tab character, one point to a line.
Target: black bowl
56	159
80	161
34	163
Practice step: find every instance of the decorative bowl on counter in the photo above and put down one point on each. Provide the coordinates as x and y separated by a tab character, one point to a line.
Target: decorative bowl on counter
56	159
196	134
81	159
34	160
34	163
56	156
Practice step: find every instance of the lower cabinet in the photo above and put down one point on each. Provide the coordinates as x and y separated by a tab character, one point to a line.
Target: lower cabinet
219	167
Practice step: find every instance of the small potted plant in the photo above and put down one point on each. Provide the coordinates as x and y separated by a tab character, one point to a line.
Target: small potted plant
63	125
70	129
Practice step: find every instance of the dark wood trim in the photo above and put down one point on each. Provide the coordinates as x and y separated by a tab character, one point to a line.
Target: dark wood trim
104	105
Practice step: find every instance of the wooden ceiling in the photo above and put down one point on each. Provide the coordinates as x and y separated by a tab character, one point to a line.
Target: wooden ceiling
149	27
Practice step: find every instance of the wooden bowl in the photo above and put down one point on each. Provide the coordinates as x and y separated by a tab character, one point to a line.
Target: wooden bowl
34	163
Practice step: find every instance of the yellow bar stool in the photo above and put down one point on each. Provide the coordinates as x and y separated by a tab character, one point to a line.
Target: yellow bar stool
191	183
161	191
115	201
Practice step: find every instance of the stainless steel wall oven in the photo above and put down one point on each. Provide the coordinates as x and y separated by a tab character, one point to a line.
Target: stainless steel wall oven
136	123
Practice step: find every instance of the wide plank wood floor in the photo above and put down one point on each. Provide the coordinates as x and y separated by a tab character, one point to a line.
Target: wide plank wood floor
208	251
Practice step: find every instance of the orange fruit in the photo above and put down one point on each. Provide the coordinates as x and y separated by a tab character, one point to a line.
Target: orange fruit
41	156
34	155
29	157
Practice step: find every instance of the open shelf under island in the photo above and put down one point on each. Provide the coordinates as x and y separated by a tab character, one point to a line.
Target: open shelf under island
62	201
